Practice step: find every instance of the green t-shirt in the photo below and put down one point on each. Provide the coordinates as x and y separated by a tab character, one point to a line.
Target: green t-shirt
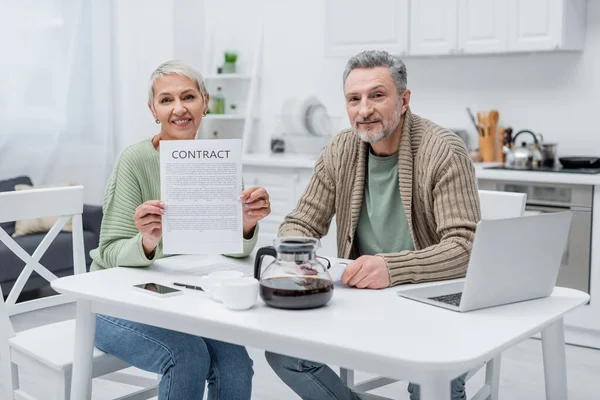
382	226
135	180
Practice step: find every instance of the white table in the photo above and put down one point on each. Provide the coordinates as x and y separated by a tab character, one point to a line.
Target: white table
368	330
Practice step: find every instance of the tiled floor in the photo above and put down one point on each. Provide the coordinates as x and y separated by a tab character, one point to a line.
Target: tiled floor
521	378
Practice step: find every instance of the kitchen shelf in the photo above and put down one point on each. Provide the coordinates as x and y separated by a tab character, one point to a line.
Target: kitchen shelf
245	115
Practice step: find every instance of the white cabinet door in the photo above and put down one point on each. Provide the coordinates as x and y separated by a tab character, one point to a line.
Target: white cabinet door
352	26
281	185
535	24
433	27
482	26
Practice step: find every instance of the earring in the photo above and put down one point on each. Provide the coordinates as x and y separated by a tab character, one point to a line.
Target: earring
204	114
157	121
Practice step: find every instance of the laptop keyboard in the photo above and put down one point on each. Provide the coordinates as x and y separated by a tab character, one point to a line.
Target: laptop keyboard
453	298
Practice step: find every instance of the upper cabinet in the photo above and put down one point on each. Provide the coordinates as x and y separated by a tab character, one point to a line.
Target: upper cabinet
352	26
482	26
433	27
443	27
546	24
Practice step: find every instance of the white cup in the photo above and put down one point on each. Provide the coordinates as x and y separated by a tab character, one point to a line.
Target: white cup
236	293
208	281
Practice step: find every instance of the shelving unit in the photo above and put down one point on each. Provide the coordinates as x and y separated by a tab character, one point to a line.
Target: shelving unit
240	88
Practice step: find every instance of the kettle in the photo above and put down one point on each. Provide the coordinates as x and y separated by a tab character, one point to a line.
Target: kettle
296	279
525	156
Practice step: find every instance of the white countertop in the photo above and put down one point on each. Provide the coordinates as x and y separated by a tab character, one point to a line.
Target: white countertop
304	161
482	172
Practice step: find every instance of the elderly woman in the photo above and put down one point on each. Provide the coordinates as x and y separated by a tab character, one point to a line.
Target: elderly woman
131	236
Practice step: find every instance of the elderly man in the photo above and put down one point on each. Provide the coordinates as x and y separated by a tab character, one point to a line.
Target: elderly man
404	194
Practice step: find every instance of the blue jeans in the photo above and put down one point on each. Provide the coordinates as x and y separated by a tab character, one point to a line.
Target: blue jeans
313	381
185	361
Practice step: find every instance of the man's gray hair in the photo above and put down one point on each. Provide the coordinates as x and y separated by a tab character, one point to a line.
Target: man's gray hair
379	58
175	67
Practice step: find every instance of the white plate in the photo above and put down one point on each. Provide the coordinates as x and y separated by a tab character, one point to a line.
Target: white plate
316	120
292	116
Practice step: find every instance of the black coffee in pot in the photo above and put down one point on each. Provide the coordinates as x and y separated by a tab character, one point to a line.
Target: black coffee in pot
296	292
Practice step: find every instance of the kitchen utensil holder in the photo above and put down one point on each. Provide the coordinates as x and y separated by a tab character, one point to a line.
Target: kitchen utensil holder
487	145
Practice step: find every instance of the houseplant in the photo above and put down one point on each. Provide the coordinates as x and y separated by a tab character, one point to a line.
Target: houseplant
229	64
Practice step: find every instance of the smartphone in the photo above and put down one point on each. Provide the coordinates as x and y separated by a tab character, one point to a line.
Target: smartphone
157	289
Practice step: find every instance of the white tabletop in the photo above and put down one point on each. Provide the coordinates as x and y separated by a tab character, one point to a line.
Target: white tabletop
369	330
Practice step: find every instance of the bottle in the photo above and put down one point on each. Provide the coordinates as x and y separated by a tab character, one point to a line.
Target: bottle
218	102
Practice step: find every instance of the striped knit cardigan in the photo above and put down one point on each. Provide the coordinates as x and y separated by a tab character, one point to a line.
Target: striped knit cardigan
437	187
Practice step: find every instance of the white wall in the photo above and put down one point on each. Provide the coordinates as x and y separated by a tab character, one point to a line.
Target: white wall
143	39
556	94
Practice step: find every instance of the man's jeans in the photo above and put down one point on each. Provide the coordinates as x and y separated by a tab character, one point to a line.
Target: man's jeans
313	381
185	361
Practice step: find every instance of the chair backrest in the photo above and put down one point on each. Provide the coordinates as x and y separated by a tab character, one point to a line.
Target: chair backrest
65	202
499	205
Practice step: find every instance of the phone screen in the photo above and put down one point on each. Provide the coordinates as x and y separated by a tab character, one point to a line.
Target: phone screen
155	287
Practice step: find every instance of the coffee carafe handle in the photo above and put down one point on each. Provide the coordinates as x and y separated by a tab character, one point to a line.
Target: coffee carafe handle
263	251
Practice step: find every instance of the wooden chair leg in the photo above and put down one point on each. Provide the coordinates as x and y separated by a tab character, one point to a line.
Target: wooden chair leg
492	376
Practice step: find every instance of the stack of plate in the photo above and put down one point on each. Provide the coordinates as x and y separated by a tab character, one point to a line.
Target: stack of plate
305	117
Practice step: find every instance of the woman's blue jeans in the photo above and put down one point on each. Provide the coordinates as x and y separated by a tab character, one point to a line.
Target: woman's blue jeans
186	362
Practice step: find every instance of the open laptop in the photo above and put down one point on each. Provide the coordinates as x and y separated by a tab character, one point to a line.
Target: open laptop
512	260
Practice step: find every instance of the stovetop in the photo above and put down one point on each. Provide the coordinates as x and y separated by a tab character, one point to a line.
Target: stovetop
590	171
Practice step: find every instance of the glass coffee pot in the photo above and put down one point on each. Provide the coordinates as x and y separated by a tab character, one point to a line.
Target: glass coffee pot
296	279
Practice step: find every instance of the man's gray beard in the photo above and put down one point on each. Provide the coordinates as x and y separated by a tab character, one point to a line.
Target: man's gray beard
373	137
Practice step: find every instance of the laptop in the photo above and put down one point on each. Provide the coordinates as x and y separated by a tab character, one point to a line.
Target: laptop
512	260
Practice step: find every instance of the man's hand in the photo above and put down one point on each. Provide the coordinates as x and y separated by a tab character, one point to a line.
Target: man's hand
370	272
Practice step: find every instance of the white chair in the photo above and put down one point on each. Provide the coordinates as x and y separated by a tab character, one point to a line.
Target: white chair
47	351
500	205
493	205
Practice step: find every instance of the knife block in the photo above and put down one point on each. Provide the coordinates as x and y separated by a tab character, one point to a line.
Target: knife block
487	145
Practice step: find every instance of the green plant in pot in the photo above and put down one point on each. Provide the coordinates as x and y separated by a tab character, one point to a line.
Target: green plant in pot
229	64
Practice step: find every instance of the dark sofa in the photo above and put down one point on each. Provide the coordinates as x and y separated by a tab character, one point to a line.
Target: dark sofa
59	256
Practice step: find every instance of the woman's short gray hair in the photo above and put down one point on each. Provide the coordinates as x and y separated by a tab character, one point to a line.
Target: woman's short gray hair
175	67
379	58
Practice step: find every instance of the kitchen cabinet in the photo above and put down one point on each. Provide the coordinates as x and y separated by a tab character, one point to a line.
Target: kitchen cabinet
285	186
352	26
482	26
433	27
546	24
454	27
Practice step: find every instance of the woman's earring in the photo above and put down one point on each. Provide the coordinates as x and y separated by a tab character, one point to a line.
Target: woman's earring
157	121
204	114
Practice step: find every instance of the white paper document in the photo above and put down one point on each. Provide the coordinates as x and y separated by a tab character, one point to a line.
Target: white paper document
200	184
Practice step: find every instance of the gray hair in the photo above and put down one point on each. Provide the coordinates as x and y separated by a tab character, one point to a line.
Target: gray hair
175	67
379	58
